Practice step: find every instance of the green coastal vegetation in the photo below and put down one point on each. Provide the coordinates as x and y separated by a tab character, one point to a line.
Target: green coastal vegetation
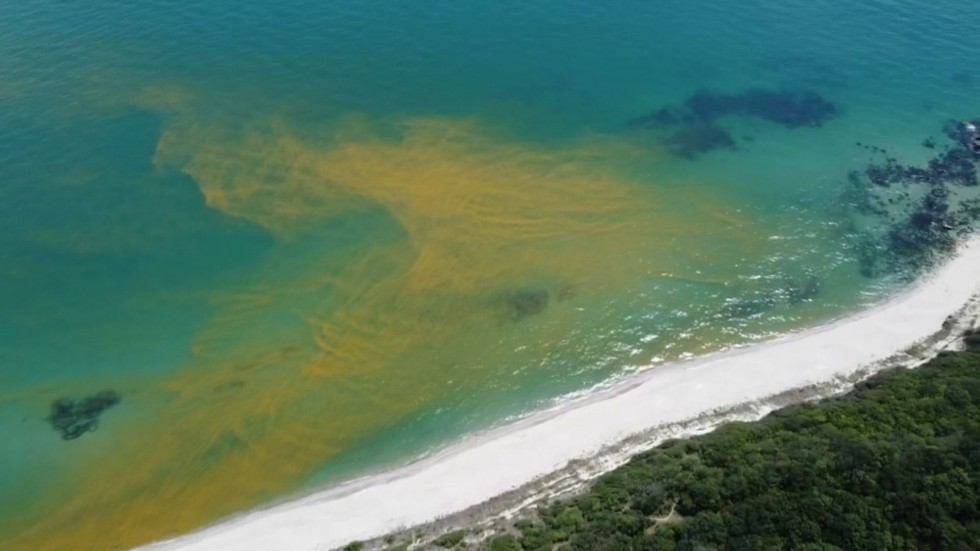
894	464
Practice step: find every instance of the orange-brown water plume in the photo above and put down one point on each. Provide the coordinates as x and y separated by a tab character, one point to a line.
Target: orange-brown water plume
499	242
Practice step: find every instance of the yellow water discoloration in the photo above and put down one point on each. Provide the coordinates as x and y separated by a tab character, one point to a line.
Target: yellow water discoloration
323	351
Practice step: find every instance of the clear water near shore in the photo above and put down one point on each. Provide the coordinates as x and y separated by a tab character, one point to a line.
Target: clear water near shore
306	242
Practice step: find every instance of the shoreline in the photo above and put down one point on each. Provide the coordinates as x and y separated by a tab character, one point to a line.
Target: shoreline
556	451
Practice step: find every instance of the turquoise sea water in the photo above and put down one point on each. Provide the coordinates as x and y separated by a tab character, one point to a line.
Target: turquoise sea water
307	241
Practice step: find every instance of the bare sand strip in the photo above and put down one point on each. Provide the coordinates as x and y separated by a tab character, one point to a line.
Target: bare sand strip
653	403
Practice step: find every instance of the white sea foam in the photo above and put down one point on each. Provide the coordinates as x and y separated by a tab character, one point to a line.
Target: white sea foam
668	401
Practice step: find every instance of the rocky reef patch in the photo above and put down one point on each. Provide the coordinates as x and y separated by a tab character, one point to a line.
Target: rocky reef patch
522	304
789	292
925	207
694	140
74	418
693	128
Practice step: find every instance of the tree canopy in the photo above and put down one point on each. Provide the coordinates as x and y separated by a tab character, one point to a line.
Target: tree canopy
894	464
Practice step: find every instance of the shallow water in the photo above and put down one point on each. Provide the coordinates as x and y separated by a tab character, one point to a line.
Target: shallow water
308	242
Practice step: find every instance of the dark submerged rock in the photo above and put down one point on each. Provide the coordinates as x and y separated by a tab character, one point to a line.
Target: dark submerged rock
955	164
73	418
741	309
699	130
929	226
697	139
789	108
797	292
527	303
660	117
792	292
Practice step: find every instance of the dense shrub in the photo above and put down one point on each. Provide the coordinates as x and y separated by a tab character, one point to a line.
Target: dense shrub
895	464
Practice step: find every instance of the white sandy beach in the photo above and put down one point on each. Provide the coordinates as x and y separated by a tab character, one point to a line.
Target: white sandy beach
487	465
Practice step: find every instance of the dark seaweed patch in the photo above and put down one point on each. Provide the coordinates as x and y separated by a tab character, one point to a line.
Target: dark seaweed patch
73	418
925	229
527	303
696	139
955	164
660	117
789	108
746	308
928	225
797	292
791	292
700	132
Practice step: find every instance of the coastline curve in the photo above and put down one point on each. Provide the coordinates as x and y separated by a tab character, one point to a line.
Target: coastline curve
594	433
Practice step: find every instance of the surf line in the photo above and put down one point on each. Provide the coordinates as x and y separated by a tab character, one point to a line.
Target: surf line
647	405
